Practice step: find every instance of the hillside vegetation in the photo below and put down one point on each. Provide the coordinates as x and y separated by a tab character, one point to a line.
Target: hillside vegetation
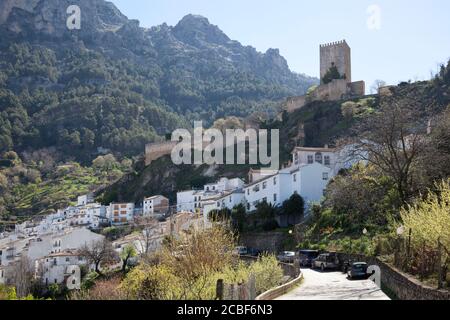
117	86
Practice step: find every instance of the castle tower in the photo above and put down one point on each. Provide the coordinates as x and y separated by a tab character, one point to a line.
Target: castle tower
338	54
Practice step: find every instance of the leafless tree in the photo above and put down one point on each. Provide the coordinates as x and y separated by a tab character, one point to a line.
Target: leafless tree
392	140
98	252
149	228
377	85
436	156
22	276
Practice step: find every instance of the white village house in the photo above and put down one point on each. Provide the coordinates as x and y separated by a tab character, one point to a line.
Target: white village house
193	200
14	248
156	205
120	213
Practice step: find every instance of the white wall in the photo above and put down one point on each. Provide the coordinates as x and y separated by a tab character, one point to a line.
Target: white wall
185	201
312	183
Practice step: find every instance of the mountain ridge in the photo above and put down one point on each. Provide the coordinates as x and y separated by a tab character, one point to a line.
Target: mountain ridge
154	80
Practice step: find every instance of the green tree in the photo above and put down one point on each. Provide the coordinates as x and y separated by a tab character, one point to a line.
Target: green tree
332	74
293	207
127	253
239	216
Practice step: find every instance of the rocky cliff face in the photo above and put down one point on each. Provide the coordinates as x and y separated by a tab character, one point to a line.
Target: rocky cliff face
103	25
49	17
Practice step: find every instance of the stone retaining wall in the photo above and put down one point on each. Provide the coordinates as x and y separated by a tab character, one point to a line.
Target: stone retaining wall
281	290
403	286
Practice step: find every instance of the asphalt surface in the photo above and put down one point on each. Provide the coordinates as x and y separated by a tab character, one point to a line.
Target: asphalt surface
333	286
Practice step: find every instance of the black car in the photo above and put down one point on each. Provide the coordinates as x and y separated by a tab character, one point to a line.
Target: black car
307	257
254	252
358	270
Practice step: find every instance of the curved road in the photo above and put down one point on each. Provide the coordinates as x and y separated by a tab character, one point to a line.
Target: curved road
333	286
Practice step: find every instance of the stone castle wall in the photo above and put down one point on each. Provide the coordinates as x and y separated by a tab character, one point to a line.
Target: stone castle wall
154	151
357	88
294	103
335	90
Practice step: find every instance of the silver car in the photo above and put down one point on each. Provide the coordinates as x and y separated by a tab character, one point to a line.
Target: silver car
326	261
286	257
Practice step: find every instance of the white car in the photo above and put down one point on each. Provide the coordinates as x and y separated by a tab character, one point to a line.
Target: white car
241	251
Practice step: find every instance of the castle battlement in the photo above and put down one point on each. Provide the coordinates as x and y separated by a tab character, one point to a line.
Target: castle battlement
331	44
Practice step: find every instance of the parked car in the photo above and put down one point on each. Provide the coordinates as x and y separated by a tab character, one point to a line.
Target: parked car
286	257
307	257
326	261
254	252
240	251
358	270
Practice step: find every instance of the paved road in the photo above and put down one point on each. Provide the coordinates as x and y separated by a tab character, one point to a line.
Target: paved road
333	286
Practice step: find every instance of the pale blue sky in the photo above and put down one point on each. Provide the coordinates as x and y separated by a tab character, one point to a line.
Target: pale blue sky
414	35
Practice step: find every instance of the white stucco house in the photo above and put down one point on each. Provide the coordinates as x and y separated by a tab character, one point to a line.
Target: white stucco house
194	200
156	205
56	268
120	213
225	200
308	180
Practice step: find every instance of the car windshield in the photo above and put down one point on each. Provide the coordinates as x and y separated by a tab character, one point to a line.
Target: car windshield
359	266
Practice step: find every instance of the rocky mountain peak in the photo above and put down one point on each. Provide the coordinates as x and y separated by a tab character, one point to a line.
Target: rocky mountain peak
49	17
196	30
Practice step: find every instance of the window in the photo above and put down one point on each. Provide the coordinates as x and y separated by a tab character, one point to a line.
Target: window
67	259
248	206
264	185
327	160
265	200
295	178
256	188
275	197
248	191
231	199
296	158
319	157
275	181
325	176
310	159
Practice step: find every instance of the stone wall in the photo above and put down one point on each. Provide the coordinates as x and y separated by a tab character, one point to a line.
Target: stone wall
154	151
403	286
294	103
332	91
357	88
266	241
281	290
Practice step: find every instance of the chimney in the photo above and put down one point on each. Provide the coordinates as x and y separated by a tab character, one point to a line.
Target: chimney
326	146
